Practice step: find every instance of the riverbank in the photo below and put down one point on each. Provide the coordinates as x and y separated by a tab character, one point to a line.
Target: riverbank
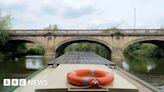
148	69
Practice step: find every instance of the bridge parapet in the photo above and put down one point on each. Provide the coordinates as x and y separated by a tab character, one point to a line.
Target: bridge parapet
30	31
143	31
88	32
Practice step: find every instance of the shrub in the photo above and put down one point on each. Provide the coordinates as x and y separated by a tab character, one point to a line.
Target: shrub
36	51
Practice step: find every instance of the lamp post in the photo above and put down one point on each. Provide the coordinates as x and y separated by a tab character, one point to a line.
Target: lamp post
134	18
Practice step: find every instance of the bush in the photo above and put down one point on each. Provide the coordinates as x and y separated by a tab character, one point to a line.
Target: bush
111	30
142	49
129	51
22	48
36	51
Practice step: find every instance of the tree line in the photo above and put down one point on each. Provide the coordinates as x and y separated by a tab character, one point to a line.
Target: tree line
5	25
144	49
89	47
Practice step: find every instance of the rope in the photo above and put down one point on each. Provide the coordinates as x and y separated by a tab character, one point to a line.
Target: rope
95	82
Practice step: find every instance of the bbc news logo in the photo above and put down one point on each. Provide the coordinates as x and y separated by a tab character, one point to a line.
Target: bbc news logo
23	82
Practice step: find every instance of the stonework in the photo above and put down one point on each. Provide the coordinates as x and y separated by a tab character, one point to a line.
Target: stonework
53	41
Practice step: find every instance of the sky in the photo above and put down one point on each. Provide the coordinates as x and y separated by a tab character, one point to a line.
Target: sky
84	14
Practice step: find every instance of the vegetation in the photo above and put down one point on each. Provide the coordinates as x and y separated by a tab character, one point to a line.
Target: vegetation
36	51
109	30
55	26
112	30
22	48
118	33
92	47
139	64
5	23
32	49
144	49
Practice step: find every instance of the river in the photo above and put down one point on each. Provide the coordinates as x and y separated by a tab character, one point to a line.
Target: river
148	69
21	68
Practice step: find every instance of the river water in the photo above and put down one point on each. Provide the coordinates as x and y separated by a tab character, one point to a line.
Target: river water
21	68
148	69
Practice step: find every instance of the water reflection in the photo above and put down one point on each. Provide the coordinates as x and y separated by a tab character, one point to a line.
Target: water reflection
34	62
147	68
21	68
144	65
125	66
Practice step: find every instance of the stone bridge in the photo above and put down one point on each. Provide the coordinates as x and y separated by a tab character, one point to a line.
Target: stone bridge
54	41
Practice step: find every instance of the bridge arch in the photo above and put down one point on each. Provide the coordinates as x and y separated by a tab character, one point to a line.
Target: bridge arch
146	39
62	45
28	40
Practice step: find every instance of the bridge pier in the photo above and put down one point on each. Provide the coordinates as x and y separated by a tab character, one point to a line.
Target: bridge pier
49	54
117	56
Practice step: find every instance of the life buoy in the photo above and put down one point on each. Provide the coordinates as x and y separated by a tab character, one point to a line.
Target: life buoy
89	77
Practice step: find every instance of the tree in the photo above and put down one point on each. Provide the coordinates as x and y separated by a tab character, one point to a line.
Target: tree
111	30
5	24
52	27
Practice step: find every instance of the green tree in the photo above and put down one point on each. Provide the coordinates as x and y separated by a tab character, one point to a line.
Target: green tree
36	51
54	27
91	47
5	24
111	30
22	48
143	49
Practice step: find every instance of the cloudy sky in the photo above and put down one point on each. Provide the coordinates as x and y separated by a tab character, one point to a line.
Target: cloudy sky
84	14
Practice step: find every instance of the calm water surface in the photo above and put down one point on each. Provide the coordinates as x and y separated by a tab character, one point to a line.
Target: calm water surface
21	68
148	69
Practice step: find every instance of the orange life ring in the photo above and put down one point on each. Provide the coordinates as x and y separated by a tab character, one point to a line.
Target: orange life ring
89	77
